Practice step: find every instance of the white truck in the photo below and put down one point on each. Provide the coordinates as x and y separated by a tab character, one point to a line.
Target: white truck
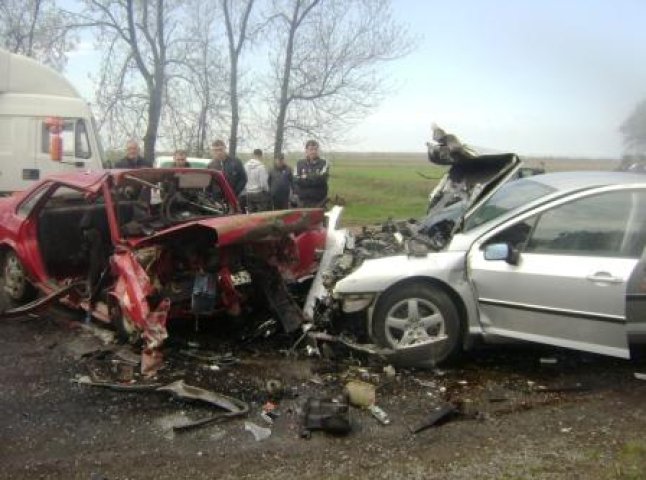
45	125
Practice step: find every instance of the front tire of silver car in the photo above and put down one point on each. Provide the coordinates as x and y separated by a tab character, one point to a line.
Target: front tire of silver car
412	315
16	285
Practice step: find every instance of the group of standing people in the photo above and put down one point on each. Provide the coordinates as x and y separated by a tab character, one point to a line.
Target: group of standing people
260	190
256	188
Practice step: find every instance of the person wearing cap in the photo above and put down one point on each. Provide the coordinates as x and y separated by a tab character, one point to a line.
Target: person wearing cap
310	181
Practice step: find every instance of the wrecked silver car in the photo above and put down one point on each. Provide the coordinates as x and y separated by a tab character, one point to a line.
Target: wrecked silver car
527	259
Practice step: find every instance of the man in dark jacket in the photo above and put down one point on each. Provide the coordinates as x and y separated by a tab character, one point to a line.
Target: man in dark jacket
311	177
280	183
132	158
232	168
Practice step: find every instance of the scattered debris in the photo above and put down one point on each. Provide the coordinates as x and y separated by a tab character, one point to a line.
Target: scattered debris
390	372
549	360
331	415
120	387
360	394
565	388
439	416
274	388
179	389
259	433
379	414
640	376
126	354
234	407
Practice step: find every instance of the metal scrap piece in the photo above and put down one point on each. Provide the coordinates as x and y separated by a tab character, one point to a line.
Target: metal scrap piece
234	407
439	416
40	303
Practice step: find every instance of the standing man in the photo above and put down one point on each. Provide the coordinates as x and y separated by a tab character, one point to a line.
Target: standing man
281	179
258	199
311	177
132	159
179	159
231	167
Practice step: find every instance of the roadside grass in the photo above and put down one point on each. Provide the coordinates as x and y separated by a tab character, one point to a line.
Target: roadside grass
631	461
374	192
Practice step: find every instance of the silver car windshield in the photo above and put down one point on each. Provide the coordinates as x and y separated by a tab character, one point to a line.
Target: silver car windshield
509	197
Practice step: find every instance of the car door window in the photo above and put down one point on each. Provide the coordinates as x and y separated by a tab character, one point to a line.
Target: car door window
516	235
597	225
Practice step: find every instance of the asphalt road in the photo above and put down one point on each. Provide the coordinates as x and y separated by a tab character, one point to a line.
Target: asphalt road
581	417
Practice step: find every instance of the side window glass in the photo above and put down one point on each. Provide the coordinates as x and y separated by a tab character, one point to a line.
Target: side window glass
65	196
593	225
516	235
75	139
82	144
25	208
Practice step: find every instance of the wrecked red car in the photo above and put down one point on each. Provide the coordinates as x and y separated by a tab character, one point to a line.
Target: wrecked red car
136	247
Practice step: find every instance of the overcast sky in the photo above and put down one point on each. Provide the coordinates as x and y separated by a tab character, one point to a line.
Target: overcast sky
540	77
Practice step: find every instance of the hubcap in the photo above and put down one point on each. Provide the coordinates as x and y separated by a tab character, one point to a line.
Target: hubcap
412	321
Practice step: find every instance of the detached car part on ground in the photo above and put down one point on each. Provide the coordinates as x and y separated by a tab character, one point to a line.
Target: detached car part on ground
136	247
543	259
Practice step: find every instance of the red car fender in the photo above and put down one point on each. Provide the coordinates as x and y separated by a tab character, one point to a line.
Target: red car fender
309	246
131	288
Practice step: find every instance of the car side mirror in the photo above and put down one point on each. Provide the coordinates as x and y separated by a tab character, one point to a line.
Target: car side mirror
502	251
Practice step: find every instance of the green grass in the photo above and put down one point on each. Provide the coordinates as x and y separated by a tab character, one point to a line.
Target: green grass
631	462
377	187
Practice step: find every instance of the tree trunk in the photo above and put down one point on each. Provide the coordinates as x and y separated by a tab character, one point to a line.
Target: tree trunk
235	114
154	114
283	104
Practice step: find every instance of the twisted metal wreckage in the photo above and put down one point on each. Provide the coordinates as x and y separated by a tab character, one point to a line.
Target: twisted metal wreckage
137	247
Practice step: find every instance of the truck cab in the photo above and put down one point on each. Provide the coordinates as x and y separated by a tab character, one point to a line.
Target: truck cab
45	125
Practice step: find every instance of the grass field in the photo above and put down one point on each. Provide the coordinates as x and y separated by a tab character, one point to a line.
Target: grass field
376	186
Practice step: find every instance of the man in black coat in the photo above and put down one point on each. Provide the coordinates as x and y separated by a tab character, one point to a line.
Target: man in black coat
132	159
232	168
311	177
281	178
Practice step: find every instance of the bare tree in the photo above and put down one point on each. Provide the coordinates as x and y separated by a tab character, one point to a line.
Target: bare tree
137	36
196	95
37	29
236	38
325	75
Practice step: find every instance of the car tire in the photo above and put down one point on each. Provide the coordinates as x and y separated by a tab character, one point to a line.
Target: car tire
411	315
16	287
126	331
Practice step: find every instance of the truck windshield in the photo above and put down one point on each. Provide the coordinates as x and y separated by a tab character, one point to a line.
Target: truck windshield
509	197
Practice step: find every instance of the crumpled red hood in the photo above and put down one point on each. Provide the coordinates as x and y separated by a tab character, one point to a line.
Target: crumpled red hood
243	228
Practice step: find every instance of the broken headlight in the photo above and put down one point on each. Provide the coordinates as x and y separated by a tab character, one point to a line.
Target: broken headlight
356	302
